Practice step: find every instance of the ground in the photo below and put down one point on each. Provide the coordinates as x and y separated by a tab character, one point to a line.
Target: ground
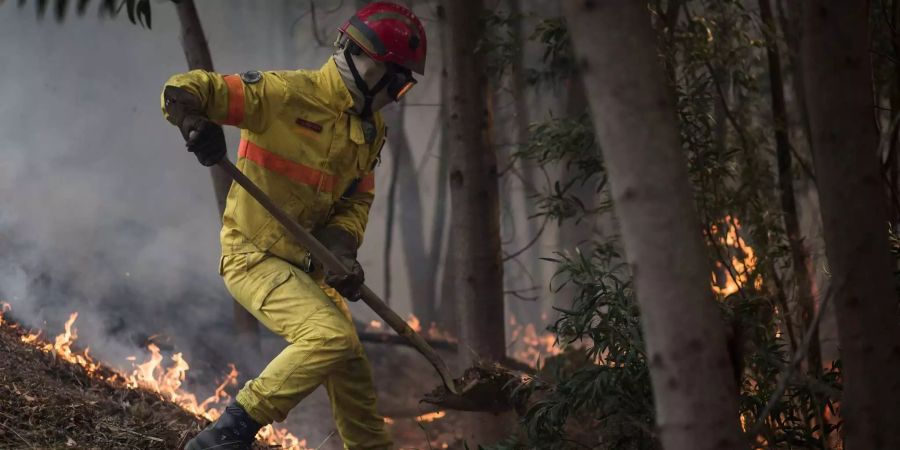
48	403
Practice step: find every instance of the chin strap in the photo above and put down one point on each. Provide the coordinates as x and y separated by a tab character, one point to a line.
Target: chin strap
368	94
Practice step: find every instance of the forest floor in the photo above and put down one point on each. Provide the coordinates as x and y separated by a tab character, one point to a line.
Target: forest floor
47	402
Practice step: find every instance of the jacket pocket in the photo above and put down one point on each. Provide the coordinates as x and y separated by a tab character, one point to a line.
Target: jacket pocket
266	285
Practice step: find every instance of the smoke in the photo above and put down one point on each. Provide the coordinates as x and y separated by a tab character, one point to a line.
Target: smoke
101	210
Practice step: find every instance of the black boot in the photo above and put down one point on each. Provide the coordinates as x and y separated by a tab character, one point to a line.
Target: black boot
234	430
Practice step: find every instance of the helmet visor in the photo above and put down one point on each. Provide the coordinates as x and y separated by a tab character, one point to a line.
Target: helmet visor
401	81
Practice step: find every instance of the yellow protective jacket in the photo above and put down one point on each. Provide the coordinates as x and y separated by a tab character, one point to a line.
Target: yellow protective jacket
299	145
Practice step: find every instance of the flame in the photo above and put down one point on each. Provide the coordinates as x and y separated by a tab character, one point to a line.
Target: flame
153	375
434	332
4	308
414	323
431	417
742	261
533	346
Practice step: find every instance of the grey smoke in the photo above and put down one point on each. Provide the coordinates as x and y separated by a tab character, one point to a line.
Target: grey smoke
101	209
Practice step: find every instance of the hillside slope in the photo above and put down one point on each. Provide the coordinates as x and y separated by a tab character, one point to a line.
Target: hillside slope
49	403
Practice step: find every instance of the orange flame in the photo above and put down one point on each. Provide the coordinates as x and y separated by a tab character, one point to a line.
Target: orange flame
4	308
532	346
431	417
153	376
414	323
742	261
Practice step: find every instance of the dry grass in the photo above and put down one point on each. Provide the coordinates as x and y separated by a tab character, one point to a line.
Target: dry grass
47	403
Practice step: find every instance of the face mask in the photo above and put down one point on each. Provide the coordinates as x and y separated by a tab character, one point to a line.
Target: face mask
372	84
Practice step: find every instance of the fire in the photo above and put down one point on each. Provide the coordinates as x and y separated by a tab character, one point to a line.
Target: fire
153	375
434	332
742	261
414	323
533	346
431	417
4	308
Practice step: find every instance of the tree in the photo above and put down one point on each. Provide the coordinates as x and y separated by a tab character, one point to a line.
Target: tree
634	117
838	83
474	200
196	51
404	193
799	255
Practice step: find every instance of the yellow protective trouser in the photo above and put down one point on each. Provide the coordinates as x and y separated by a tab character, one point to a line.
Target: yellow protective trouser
323	349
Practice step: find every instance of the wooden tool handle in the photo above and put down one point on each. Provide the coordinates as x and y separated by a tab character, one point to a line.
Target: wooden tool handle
327	259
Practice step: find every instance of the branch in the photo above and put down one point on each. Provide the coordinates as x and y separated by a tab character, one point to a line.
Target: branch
315	24
788	371
395	339
518	293
530	243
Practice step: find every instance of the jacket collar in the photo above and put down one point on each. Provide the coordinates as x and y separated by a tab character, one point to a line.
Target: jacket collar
335	92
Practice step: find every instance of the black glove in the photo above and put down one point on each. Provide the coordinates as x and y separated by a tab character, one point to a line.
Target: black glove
343	245
204	138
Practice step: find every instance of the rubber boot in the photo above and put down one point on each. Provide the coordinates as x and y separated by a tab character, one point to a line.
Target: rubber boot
234	430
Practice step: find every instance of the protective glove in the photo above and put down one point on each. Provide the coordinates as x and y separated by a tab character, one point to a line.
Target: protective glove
204	137
343	245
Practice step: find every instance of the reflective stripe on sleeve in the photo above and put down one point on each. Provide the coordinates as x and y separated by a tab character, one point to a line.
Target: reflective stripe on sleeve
235	100
297	172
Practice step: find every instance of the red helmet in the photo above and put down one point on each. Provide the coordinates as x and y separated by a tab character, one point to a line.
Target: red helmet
388	32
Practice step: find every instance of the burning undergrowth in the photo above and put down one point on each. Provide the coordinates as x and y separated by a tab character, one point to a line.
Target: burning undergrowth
53	396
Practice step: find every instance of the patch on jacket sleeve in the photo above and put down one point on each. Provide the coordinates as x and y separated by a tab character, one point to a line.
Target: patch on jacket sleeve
251	76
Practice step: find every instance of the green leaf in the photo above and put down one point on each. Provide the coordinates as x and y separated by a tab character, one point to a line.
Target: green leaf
143	13
61	7
129	9
41	8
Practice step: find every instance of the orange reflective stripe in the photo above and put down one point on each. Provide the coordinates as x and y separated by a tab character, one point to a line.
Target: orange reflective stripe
367	184
235	100
297	172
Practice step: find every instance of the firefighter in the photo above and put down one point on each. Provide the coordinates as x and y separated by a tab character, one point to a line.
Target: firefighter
310	139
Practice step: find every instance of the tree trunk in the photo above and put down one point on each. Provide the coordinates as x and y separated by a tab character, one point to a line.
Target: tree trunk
799	256
446	309
519	91
408	212
800	260
196	51
474	200
790	25
893	162
634	115
838	84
